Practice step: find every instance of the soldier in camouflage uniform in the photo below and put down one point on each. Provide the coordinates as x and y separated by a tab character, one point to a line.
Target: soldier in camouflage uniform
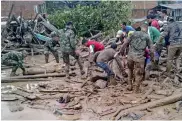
174	31
50	45
14	59
138	41
68	47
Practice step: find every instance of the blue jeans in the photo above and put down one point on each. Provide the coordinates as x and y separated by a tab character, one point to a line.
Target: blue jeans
105	67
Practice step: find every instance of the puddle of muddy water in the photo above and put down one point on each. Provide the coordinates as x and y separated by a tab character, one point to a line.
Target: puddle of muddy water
25	114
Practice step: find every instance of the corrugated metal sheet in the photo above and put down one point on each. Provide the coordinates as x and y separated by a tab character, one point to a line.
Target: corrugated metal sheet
172	6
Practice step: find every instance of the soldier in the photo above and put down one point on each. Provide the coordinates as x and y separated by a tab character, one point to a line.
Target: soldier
14	59
68	47
174	31
103	57
138	41
50	45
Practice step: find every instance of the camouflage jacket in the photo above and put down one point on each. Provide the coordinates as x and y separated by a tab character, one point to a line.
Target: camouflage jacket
174	31
51	44
67	40
138	41
15	56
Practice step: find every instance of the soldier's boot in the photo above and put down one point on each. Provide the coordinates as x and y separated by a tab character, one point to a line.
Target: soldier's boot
46	58
136	88
67	71
56	56
13	72
139	77
129	87
112	80
129	81
82	72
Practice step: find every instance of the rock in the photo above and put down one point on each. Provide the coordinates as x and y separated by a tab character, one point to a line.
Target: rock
101	84
78	107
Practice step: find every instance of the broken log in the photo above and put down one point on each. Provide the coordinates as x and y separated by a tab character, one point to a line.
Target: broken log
41	76
157	97
60	91
96	36
157	103
9	80
164	92
33	71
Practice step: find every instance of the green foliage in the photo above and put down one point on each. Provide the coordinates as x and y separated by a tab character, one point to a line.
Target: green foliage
107	15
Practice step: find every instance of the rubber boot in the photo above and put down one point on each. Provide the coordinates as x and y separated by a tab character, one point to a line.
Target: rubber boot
13	74
136	88
82	72
46	58
67	71
129	87
56	57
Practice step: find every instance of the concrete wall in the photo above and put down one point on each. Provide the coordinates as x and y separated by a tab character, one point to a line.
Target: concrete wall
27	8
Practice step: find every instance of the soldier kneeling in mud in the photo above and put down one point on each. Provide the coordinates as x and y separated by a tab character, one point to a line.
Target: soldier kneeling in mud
101	58
14	59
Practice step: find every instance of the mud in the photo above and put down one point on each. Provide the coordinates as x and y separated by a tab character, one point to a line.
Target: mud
90	102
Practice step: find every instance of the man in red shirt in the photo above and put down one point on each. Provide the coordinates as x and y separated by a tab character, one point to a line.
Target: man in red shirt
153	22
94	46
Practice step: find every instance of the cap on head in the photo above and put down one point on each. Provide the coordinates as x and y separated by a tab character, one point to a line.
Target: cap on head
119	33
84	41
54	34
113	45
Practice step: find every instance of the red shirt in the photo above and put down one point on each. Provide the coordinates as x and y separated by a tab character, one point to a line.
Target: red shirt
147	51
97	45
155	24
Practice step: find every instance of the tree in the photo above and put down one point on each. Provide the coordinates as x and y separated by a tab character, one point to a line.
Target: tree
105	16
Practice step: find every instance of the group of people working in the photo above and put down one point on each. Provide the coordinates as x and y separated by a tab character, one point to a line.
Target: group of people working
141	48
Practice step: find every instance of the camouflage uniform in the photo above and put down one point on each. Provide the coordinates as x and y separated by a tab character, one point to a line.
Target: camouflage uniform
68	47
14	59
136	60
50	45
174	31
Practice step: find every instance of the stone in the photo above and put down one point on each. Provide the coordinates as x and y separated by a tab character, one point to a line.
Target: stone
101	84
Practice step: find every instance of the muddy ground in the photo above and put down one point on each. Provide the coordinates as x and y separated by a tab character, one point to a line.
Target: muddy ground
85	102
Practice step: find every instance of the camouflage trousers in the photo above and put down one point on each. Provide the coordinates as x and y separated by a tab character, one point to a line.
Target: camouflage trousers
55	54
174	52
136	71
11	63
66	60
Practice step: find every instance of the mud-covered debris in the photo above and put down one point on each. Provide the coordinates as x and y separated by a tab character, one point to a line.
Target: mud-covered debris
132	116
64	99
178	105
101	84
